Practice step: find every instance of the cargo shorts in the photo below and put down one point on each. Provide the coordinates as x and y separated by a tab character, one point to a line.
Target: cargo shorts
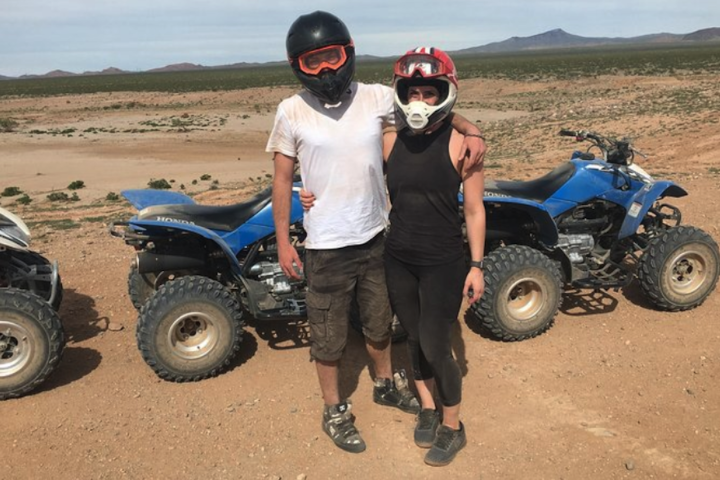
336	279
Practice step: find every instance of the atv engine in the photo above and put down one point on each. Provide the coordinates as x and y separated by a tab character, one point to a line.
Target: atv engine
271	275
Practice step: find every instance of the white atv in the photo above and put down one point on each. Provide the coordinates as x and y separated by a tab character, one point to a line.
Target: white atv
31	334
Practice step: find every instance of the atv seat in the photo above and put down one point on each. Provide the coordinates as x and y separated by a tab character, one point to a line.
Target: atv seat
537	190
224	218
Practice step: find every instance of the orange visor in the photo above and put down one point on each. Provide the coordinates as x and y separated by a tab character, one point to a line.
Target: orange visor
315	61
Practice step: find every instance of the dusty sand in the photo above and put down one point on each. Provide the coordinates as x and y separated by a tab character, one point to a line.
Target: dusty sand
614	390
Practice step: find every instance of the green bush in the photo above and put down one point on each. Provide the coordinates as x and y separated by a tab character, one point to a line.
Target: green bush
205	176
160	184
58	197
24	200
8	124
76	185
11	192
112	197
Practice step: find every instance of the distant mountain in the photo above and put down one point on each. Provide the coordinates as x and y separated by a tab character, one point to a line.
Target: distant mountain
557	38
178	67
704	35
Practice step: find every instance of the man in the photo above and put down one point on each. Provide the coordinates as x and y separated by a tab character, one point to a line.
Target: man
334	130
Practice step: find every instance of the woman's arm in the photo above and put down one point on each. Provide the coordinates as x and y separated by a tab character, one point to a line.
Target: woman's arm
474	209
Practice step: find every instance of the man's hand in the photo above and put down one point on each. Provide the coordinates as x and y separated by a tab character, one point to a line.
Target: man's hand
288	258
473	151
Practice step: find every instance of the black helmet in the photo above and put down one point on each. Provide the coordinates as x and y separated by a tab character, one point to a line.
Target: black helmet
315	31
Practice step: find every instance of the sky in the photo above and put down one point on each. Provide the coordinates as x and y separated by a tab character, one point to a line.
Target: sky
38	36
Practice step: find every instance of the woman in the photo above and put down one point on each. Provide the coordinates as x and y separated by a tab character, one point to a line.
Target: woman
425	261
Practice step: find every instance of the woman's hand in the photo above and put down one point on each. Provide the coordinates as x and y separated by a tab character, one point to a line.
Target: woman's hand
474	285
307	199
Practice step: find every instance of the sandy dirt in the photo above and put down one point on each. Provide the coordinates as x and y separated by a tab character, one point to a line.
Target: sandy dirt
614	390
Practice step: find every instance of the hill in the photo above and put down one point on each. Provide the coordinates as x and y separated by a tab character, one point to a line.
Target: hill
557	38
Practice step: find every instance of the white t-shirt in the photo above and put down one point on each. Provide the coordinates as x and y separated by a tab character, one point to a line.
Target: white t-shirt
340	153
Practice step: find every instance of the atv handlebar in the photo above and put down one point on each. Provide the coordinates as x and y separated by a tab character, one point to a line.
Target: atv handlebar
618	151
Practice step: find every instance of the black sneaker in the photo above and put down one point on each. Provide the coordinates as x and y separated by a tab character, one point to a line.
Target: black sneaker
447	444
338	423
395	393
425	426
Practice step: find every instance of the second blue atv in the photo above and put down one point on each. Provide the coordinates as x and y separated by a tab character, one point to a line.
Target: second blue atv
595	222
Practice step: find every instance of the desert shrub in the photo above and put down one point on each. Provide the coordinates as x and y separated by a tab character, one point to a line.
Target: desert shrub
8	124
58	197
24	200
205	176
194	182
160	184
112	197
76	185
74	197
11	192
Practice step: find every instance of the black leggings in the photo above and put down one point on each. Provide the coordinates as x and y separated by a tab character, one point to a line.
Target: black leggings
427	301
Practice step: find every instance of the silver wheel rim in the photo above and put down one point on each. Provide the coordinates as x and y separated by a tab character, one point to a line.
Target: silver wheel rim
688	272
193	335
525	299
16	348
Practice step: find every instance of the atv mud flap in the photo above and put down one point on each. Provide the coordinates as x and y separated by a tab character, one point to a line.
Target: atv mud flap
54	281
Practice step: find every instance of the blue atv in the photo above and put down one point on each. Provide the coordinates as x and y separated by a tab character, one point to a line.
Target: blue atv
198	269
591	223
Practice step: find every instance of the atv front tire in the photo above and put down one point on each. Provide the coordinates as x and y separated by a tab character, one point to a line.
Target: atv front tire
523	289
190	329
679	269
31	342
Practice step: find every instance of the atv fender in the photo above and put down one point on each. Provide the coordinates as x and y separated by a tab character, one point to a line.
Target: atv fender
644	200
148	227
147	197
545	225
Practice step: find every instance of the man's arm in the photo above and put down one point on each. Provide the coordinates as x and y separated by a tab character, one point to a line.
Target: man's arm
474	143
281	204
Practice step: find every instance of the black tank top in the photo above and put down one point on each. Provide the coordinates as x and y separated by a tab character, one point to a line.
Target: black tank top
425	223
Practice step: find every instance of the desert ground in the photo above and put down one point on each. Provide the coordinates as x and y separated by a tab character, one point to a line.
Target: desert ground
615	390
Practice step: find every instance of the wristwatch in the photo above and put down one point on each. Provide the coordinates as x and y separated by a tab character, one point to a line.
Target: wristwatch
477	264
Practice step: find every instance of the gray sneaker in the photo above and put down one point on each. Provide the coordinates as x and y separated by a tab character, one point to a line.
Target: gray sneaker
396	393
425	426
338	423
447	444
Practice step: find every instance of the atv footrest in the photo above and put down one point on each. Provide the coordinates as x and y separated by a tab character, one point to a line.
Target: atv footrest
598	284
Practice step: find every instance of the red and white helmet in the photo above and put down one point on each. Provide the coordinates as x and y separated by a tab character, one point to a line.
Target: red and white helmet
424	66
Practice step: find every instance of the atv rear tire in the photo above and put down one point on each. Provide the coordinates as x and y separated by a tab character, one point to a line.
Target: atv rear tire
190	329
679	269
523	289
31	342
